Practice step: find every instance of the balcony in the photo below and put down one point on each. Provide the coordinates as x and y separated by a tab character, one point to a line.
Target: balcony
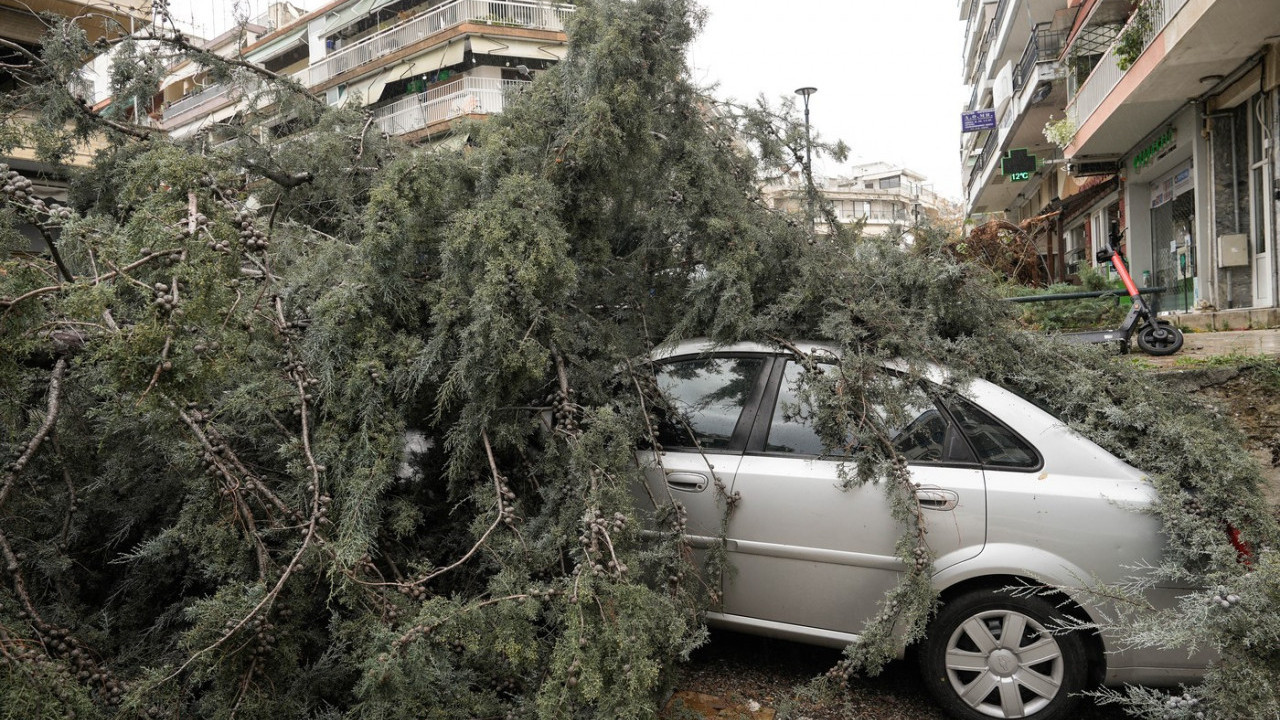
1107	75
468	96
1045	45
1187	44
503	13
983	159
197	101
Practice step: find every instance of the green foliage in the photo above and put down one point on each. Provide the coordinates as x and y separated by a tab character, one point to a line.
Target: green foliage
1060	132
363	444
1054	315
1136	35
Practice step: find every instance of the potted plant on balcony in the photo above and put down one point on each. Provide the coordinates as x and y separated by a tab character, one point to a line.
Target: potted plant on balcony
1060	132
1136	34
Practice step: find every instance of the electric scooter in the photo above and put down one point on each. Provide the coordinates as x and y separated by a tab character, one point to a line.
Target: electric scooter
1154	336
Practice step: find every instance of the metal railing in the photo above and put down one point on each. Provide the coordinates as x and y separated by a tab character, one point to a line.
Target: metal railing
194	101
1107	75
512	13
988	149
468	96
1044	46
882	217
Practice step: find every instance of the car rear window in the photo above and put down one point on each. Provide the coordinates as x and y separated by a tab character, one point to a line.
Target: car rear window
995	444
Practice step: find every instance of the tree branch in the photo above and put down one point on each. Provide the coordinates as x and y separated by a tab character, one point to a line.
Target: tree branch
51	416
278	177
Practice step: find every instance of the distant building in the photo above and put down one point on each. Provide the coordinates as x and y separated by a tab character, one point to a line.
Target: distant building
417	65
1165	115
884	197
21	24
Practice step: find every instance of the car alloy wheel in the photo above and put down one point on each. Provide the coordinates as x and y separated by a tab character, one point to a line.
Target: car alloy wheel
992	655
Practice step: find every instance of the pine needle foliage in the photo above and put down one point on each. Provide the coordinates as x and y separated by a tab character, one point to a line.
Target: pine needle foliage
344	428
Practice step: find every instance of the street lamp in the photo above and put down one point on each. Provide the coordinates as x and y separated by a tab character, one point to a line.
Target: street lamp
808	151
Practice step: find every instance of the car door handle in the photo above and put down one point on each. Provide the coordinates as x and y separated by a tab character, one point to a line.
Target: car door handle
687	481
934	498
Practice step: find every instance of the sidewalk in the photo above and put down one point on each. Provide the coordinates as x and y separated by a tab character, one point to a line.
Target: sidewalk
1209	344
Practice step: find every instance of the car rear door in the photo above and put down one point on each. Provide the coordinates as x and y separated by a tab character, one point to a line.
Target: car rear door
807	552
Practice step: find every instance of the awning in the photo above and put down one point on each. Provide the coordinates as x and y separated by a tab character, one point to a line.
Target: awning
436	59
449	143
353	14
277	46
370	89
339	19
517	48
217	116
186	69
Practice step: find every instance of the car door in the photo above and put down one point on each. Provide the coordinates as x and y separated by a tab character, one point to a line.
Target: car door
702	426
805	551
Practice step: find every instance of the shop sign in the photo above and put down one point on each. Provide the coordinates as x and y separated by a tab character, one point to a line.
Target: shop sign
1172	185
1160	147
977	120
1019	165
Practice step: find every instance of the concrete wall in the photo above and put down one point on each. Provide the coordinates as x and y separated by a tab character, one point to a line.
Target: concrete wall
1230	203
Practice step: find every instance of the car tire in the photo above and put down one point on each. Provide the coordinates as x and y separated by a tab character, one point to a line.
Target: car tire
1160	338
975	672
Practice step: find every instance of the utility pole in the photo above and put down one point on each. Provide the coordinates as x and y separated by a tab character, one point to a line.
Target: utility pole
808	155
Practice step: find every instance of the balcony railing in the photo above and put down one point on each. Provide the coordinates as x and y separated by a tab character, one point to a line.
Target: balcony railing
1045	45
468	96
510	13
192	102
1107	75
988	149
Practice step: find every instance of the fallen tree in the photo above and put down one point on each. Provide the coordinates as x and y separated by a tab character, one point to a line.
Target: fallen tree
335	428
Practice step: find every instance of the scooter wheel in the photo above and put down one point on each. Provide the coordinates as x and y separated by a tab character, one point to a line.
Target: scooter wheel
1159	338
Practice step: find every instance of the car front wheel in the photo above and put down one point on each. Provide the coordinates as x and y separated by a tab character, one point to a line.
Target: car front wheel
993	655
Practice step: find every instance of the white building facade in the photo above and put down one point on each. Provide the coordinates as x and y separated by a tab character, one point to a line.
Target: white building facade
1164	116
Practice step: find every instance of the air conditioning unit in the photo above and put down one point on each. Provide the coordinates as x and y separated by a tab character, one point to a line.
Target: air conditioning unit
1087	168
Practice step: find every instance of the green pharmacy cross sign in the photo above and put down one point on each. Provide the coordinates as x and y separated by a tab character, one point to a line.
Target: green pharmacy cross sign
1019	165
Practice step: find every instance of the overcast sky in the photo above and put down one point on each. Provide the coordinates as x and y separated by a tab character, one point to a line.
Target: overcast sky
887	71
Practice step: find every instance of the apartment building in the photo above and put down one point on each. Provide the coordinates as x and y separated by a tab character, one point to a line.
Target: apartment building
884	197
23	23
1163	116
1017	84
416	65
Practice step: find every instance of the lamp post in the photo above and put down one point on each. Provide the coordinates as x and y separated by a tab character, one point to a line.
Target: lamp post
808	153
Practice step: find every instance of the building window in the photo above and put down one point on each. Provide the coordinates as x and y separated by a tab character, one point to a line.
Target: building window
890	183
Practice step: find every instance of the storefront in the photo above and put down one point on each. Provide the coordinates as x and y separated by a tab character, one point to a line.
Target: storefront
1173	255
1161	193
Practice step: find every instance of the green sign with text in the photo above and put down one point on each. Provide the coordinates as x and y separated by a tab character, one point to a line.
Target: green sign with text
1019	165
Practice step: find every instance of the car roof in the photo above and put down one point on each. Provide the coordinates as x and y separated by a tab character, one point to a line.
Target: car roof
702	346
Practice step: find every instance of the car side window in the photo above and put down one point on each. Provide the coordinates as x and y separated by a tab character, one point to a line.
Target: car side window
995	444
922	440
705	398
791	428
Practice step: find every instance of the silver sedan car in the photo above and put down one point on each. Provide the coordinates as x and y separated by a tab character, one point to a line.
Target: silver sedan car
1012	497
